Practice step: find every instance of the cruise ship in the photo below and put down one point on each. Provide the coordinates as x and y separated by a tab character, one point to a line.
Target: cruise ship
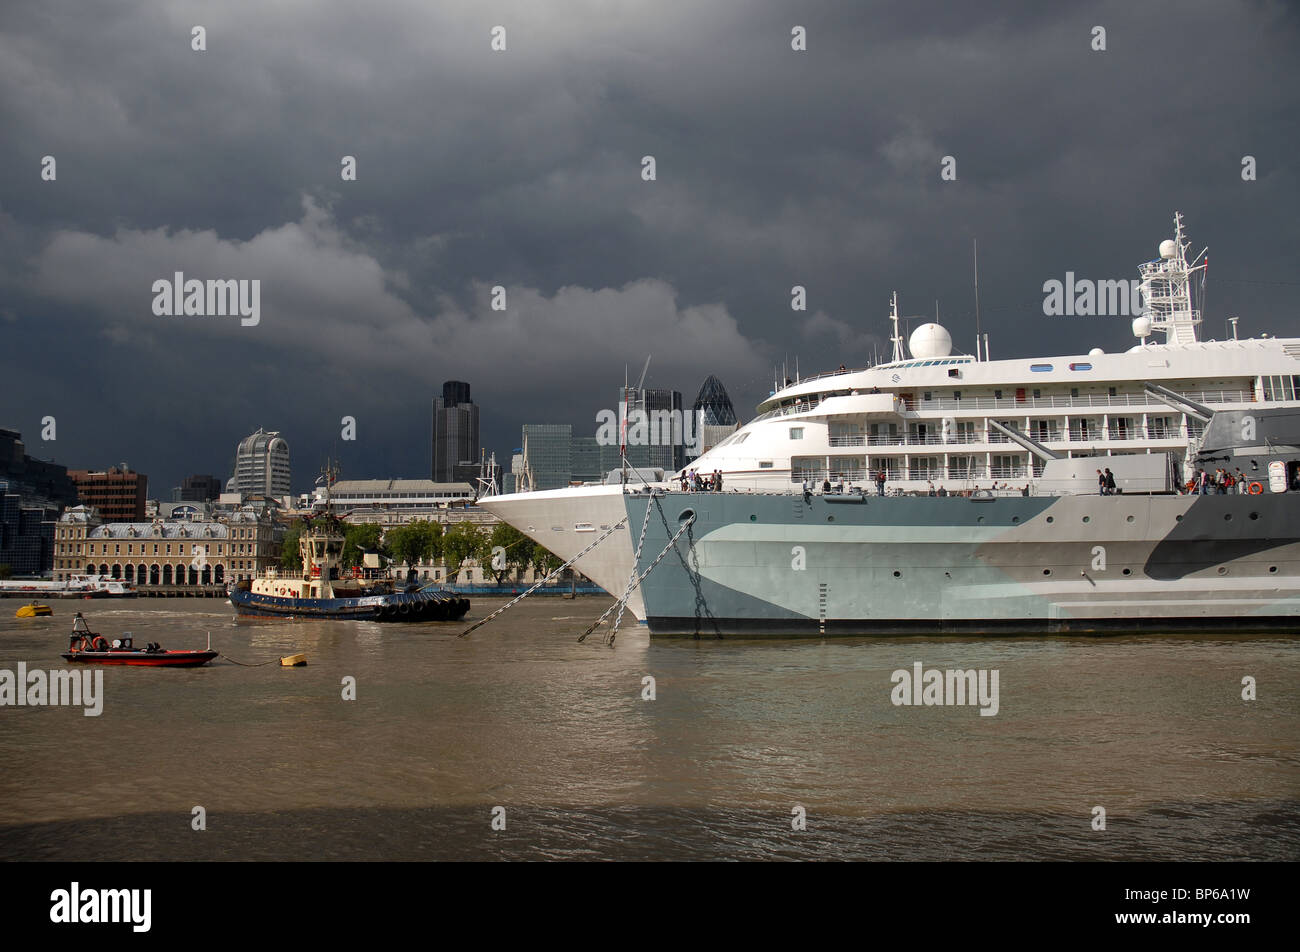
1018	433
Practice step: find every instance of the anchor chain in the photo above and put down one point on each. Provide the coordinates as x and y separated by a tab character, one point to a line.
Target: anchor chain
692	573
536	585
641	578
631	581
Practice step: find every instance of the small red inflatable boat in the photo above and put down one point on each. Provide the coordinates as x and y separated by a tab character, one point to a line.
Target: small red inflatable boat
90	648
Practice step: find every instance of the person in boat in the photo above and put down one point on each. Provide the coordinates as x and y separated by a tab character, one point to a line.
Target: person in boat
717	480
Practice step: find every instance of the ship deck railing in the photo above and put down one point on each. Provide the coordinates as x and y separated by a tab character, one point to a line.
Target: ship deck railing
1101	401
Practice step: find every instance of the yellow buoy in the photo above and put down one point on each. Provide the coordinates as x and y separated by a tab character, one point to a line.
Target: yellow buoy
34	611
293	661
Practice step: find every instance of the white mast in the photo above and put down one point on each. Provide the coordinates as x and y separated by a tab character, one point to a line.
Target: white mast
897	338
1166	289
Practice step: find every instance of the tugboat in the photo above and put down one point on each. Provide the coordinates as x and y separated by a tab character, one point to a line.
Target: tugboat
88	647
323	588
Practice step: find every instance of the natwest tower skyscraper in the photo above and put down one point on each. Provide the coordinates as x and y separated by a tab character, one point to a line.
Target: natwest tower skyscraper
455	435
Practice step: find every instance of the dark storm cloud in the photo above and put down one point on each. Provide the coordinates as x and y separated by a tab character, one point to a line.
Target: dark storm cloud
521	169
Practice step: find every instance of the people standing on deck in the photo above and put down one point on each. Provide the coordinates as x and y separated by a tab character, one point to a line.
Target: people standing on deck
1240	481
1110	482
929	488
717	480
880	483
942	491
1025	491
1202	481
1101	483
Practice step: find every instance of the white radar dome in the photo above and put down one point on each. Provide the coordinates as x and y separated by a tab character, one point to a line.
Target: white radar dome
1168	248
1096	352
930	340
1141	327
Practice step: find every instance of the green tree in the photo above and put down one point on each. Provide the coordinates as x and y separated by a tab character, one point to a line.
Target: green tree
290	557
358	537
415	542
545	560
518	550
461	542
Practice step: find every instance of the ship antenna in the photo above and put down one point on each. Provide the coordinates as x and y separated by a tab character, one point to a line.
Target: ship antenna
893	316
975	246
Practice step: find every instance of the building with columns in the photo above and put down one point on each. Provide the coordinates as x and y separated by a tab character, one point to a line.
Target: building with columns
210	552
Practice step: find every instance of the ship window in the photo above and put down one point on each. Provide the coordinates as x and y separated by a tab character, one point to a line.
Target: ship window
1112	391
1074	391
765	464
956	394
925	395
1080	366
796	433
1040	368
997	394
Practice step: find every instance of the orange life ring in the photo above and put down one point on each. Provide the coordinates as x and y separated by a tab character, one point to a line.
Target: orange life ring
1255	489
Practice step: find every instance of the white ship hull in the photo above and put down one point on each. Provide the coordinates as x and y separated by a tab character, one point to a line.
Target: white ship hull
566	521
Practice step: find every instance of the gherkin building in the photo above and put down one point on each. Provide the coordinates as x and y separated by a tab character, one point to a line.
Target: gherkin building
715	403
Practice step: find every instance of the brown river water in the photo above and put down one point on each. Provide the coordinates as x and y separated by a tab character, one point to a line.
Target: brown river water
739	736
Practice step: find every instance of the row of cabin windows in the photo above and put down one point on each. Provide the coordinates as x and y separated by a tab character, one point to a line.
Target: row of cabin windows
1037	393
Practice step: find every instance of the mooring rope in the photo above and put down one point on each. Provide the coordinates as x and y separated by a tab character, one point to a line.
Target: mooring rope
244	664
514	601
641	578
631	579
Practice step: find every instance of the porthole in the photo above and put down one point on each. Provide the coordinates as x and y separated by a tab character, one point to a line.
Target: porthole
1178	518
753	518
830	518
1087	518
1272	569
1254	515
1047	571
1051	519
1227	517
1015	519
1223	570
897	574
1128	571
979	519
1129	519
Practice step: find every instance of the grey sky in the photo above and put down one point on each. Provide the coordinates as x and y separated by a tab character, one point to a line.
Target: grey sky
522	169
